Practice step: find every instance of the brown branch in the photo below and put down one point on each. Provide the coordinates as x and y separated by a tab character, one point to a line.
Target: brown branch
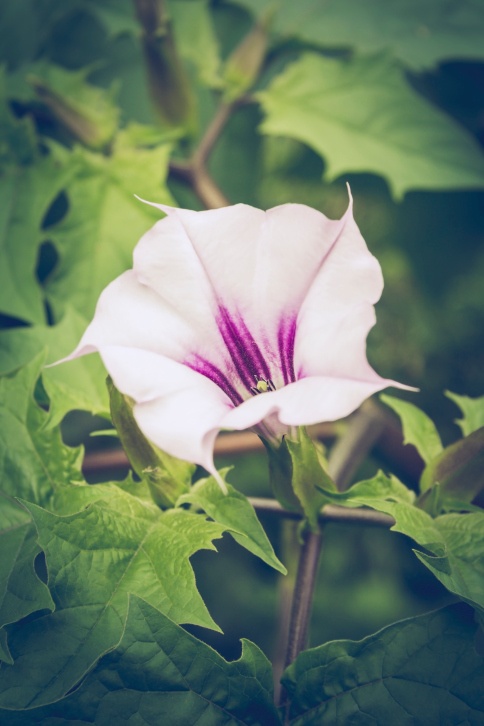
228	444
194	172
329	513
212	134
207	190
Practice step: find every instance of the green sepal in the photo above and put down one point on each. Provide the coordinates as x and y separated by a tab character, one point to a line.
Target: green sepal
167	477
297	473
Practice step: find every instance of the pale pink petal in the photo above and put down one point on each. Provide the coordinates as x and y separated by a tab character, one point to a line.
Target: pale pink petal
176	408
305	402
294	241
337	312
132	315
198	260
258	265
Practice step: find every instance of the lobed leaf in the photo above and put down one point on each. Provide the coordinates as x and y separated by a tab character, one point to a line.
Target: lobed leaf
473	410
423	670
21	591
418	429
234	511
33	459
96	237
460	568
362	116
26	193
455	542
420	34
157	674
118	544
78	384
458	471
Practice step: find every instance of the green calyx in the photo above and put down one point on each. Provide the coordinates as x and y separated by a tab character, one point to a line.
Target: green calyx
167	477
297	469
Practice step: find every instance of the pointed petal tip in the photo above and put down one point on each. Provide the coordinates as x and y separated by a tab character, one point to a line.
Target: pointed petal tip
350	199
164	207
77	353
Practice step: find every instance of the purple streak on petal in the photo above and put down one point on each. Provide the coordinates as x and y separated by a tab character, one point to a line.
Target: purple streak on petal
244	351
285	340
208	370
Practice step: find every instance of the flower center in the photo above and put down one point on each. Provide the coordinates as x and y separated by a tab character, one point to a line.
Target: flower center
262	385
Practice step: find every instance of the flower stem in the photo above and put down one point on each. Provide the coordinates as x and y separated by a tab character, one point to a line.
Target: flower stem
194	172
307	571
347	455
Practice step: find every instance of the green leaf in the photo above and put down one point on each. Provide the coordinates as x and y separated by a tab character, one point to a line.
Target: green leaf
117	545
18	141
86	111
473	410
96	238
26	193
418	429
160	674
419	34
423	670
455	541
33	459
117	16
234	511
21	591
25	26
195	38
461	567
458	471
78	384
362	116
390	496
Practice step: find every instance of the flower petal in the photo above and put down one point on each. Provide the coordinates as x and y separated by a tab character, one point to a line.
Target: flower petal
133	315
337	311
178	409
305	402
200	259
257	265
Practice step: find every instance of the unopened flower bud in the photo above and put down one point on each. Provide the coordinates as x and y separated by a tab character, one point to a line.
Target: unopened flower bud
245	62
168	83
86	111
